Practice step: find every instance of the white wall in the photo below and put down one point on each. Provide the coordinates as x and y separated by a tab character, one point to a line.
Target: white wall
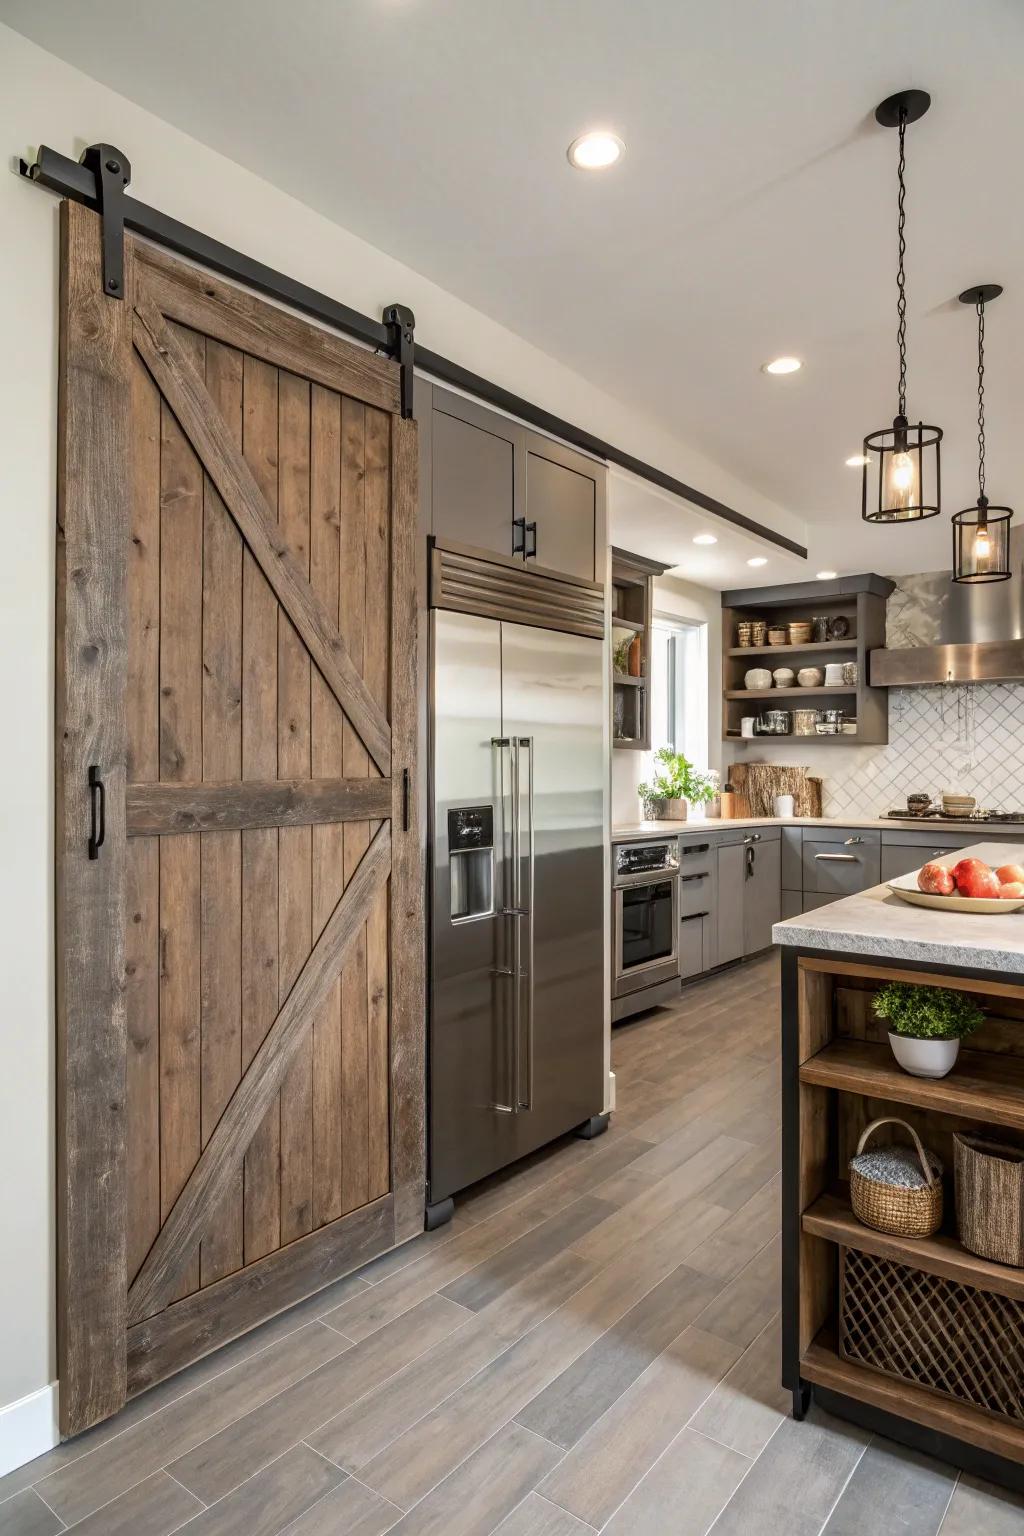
42	96
675	599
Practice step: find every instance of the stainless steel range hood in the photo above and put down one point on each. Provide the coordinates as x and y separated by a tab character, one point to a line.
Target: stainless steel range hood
962	634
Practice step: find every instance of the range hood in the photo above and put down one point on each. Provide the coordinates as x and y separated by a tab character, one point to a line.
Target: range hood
941	631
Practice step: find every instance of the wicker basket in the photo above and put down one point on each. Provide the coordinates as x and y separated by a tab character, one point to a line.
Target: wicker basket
908	1205
957	1340
990	1197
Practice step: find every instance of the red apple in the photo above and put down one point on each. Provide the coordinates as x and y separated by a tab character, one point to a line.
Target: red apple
936	879
963	872
1012	890
1011	874
979	882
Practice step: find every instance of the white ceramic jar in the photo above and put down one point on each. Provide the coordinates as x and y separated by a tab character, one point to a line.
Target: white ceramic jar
757	679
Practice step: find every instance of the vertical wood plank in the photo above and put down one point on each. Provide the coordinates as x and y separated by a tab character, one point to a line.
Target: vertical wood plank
93	520
355	1141
181	759
327	760
260	946
295	844
377	501
142	896
221	940
408	1002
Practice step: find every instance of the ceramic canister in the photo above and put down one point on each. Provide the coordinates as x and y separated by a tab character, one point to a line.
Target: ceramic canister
784	677
834	674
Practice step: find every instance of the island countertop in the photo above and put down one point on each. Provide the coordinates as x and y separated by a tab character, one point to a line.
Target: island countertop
876	923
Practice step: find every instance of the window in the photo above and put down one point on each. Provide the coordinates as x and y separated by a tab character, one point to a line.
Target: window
679	688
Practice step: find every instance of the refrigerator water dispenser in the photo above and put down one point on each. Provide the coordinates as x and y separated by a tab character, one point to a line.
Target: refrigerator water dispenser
471	862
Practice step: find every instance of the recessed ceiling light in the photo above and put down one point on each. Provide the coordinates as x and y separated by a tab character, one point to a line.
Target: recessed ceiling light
782	365
857	461
826	575
758	560
595	151
705	538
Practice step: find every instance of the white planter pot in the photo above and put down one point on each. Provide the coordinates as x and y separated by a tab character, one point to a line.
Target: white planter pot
924	1058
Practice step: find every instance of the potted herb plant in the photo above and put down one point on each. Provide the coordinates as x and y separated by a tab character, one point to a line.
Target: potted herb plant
926	1025
676	786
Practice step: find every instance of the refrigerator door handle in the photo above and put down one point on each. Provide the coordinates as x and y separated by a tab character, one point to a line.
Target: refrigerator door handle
527	742
511	972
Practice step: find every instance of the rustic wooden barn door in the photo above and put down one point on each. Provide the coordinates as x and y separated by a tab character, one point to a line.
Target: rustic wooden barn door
240	991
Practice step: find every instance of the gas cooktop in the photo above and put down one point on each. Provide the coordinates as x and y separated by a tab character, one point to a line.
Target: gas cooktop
935	813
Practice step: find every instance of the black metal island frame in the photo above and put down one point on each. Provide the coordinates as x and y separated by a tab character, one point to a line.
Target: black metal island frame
915	1338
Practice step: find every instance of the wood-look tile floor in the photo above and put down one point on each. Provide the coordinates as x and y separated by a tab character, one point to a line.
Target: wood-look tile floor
591	1345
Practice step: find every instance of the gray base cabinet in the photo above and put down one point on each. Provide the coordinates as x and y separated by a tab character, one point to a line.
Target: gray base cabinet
762	891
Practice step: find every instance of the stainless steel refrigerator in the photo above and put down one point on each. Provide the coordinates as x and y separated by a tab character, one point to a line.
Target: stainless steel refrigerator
517	912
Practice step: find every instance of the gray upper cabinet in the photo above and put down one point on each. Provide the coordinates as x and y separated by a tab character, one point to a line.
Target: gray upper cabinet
472	475
492	484
561	507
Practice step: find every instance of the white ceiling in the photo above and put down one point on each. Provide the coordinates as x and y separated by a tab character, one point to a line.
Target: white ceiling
753	212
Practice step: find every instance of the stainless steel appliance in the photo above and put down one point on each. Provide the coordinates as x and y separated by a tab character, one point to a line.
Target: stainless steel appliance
645	918
517	881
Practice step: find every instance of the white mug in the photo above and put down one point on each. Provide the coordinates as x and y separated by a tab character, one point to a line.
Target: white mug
782	805
747	726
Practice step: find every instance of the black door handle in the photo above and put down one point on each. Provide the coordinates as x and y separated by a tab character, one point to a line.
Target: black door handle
97	812
519	536
530	553
750	861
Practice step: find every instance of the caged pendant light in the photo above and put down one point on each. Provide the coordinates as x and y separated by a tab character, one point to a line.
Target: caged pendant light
981	534
901	479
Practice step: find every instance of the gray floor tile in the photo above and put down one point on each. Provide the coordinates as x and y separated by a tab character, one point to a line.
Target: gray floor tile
348	1510
479	1494
978	1508
269	1502
25	1514
683	1492
793	1485
746	1409
480	1286
537	1516
154	1507
893	1489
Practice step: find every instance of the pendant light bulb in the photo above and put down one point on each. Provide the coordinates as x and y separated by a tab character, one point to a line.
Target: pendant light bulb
981	534
902	480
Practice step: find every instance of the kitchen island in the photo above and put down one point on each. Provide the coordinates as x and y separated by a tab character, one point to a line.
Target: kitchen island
915	1338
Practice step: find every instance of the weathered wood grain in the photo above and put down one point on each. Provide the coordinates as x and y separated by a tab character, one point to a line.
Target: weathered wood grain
160	810
185	392
225	1150
93	522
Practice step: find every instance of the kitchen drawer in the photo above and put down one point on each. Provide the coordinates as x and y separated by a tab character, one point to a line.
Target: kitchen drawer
692	930
696	854
902	858
840	865
696	891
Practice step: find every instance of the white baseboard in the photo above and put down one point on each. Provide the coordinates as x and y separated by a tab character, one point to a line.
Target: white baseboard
28	1428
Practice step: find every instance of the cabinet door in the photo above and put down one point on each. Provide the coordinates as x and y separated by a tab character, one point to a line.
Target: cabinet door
472	475
841	866
691	946
762	894
731	879
561	499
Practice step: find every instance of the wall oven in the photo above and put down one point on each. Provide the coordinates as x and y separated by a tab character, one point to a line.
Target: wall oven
646	915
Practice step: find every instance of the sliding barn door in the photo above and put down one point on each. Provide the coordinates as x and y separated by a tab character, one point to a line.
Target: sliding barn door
240	968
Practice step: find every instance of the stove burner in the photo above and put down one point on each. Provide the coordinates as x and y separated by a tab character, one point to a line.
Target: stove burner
934	813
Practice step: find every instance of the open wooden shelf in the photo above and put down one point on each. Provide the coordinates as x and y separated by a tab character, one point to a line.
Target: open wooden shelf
903	1399
635	626
789	650
987	1086
624	679
831	1217
765	695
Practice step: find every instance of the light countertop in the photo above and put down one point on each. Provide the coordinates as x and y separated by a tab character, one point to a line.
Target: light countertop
878	924
628	831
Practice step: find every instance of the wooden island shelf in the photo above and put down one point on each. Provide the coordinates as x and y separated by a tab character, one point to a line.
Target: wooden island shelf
915	1338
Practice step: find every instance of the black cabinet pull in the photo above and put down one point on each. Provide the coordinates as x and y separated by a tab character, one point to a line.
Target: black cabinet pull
692	916
697	848
750	860
687	879
530	553
97	812
519	536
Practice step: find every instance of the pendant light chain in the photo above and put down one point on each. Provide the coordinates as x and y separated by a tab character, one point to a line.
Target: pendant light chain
901	281
981	398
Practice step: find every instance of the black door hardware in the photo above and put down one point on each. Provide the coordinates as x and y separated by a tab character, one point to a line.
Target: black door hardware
531	550
60	174
113	173
405	799
97	812
401	324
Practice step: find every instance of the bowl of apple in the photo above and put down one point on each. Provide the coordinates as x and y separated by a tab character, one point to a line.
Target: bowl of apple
969	886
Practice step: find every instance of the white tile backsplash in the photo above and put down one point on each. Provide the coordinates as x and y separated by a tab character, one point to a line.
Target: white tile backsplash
968	738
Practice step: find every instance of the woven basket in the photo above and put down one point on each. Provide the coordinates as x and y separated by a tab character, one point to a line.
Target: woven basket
888	1206
990	1197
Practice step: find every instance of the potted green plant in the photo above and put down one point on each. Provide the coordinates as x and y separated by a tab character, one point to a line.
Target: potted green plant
926	1025
677	785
